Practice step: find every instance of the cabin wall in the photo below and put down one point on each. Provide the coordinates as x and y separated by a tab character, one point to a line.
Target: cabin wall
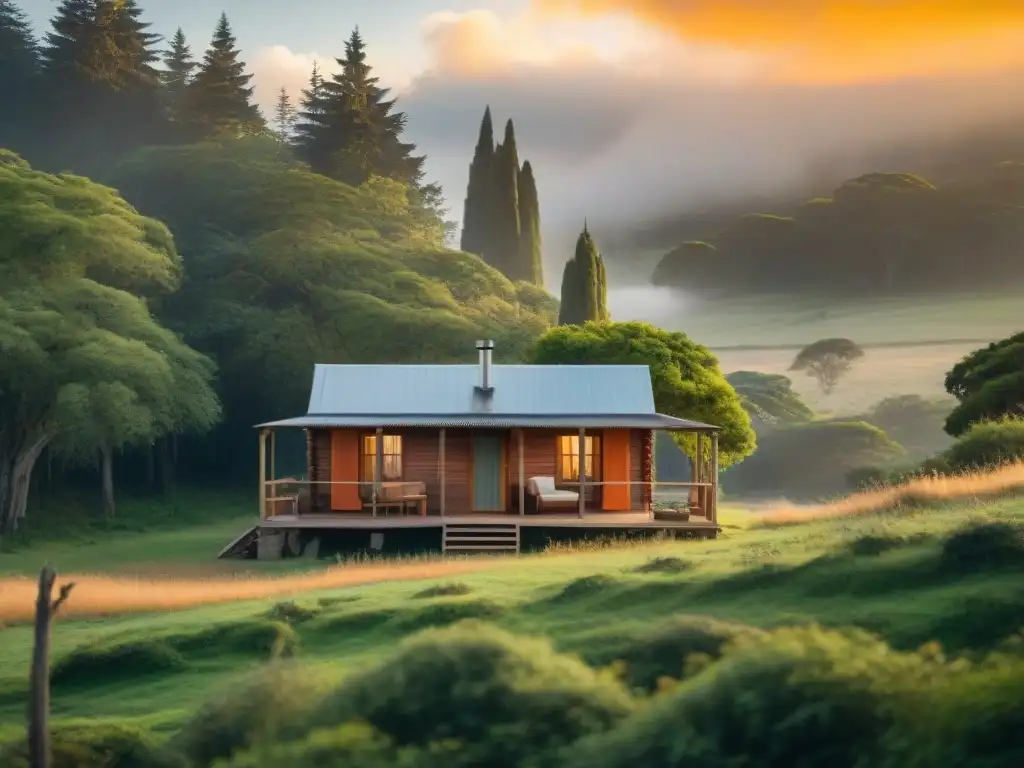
421	462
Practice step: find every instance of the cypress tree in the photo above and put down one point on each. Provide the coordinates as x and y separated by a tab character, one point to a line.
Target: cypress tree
530	266
19	71
476	213
584	285
219	98
178	74
502	250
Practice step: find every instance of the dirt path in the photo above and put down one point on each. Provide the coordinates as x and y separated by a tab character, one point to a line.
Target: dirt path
112	595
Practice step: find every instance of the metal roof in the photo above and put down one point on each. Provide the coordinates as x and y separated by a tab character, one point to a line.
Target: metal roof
561	396
484	421
534	390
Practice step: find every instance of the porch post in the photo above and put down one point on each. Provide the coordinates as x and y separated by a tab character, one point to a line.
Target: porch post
714	477
522	475
441	440
697	493
378	466
273	455
582	458
263	473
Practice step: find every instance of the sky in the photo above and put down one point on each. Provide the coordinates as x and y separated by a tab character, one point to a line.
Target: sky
632	109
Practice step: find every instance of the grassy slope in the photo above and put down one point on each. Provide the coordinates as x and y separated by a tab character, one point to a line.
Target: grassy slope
759	577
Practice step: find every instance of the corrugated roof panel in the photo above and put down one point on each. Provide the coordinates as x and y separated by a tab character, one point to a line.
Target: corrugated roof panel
450	389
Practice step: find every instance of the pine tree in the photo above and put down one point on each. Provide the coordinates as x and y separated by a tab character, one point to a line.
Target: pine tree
584	285
309	119
178	74
284	115
353	132
476	213
19	71
530	266
219	98
502	251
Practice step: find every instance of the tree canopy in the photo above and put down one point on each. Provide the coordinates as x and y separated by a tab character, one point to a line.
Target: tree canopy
988	383
880	233
584	285
685	376
769	398
827	360
86	366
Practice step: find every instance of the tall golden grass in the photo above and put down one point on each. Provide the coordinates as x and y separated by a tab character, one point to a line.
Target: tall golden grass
926	489
109	595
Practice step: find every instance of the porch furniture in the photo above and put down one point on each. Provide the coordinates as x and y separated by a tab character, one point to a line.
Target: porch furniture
546	496
418	502
398	494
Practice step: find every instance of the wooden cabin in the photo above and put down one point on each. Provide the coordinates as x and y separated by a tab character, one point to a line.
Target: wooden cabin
419	445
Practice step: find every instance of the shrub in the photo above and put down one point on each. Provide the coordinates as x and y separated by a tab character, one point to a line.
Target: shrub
664	565
106	663
796	697
649	654
987	444
585	586
258	637
443	590
869	545
273	703
983	546
290	612
503	697
97	746
440	614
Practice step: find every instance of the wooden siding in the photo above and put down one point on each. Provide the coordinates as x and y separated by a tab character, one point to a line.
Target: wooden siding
421	462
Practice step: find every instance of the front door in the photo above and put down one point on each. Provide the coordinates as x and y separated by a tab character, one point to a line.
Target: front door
488	470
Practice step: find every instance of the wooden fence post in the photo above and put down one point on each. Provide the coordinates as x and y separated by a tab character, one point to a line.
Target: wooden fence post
39	752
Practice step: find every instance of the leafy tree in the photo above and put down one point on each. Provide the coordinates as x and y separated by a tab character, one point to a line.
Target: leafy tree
692	256
502	251
584	285
476	219
19	71
769	398
284	115
177	75
86	367
530	265
289	268
827	360
987	444
219	97
914	422
686	378
988	383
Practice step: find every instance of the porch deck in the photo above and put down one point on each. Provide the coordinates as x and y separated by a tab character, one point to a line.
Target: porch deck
595	519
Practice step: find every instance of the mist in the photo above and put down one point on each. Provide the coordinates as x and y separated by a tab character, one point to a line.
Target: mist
621	150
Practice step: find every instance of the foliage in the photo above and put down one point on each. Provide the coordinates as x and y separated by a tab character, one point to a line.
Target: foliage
769	398
107	662
584	285
827	360
685	376
86	366
988	383
503	698
881	233
914	422
97	746
289	268
813	459
501	221
988	443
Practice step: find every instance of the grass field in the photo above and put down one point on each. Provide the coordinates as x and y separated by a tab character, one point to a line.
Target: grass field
587	601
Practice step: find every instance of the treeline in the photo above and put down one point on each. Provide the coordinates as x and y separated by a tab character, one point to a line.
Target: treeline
101	70
888	234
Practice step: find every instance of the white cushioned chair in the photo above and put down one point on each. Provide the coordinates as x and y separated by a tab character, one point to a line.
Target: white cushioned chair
546	496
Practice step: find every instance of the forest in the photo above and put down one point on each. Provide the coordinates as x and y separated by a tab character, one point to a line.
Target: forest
889	234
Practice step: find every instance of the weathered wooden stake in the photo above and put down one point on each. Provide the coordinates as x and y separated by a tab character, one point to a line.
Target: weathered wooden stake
39	753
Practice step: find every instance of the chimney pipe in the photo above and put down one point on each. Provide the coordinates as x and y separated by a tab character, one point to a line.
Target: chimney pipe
485	347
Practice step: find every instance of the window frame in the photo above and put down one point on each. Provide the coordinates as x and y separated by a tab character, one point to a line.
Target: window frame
368	455
565	445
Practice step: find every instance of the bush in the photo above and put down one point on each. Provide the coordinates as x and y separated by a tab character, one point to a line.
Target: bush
96	746
440	614
664	565
290	612
107	663
870	545
797	697
443	590
586	586
504	698
273	703
258	637
988	444
984	546
649	654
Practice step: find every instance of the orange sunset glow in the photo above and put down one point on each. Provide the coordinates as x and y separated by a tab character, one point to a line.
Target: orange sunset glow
838	40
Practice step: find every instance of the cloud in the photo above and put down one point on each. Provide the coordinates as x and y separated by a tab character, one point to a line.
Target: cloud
278	67
837	40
